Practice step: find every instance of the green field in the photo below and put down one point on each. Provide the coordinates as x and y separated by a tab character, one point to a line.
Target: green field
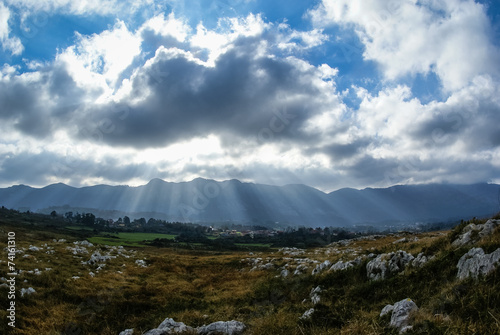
127	239
79	228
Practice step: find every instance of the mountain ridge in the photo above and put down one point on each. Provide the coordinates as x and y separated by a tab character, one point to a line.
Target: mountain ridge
206	201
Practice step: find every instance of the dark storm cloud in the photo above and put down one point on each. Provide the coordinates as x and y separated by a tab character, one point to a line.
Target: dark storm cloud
37	103
476	123
338	152
243	96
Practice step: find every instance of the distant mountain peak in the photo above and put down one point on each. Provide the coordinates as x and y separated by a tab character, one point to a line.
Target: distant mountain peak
156	181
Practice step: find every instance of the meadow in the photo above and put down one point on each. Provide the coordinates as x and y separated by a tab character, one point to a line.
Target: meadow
139	286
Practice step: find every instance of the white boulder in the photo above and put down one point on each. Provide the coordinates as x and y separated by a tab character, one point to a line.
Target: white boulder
307	314
222	327
472	233
401	314
27	291
393	262
321	267
476	263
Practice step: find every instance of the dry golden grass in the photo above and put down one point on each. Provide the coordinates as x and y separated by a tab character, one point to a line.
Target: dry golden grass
200	287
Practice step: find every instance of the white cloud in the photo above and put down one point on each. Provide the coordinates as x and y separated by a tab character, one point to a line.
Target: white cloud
450	38
170	26
12	44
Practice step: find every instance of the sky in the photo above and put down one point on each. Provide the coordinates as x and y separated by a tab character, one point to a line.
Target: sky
330	93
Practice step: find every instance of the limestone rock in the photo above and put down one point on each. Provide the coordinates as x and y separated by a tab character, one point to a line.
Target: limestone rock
321	267
27	291
307	314
314	295
475	263
399	261
480	230
386	310
141	263
420	260
225	327
393	262
169	326
97	258
401	314
377	268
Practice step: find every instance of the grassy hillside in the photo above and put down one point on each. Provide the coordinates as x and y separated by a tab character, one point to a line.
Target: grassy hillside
199	287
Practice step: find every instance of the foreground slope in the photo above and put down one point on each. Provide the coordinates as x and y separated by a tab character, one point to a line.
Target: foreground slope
80	288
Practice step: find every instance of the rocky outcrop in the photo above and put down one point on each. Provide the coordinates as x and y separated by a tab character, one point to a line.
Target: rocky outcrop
401	314
170	326
420	260
321	267
476	263
383	264
301	268
340	265
473	233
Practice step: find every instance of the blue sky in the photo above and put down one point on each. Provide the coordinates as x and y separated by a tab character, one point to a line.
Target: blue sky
329	93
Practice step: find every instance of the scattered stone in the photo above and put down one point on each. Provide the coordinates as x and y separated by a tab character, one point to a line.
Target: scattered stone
225	327
377	268
386	310
169	326
314	295
420	260
307	314
393	262
75	277
340	265
321	267
27	291
97	258
141	263
292	251
91	274
399	261
473	233
401	314
84	243
300	269
33	248
476	263
285	273
78	250
402	240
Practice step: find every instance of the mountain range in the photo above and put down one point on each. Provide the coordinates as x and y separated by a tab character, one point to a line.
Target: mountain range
209	201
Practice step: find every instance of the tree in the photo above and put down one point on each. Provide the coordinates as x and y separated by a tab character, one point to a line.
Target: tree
88	219
53	214
69	216
126	220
